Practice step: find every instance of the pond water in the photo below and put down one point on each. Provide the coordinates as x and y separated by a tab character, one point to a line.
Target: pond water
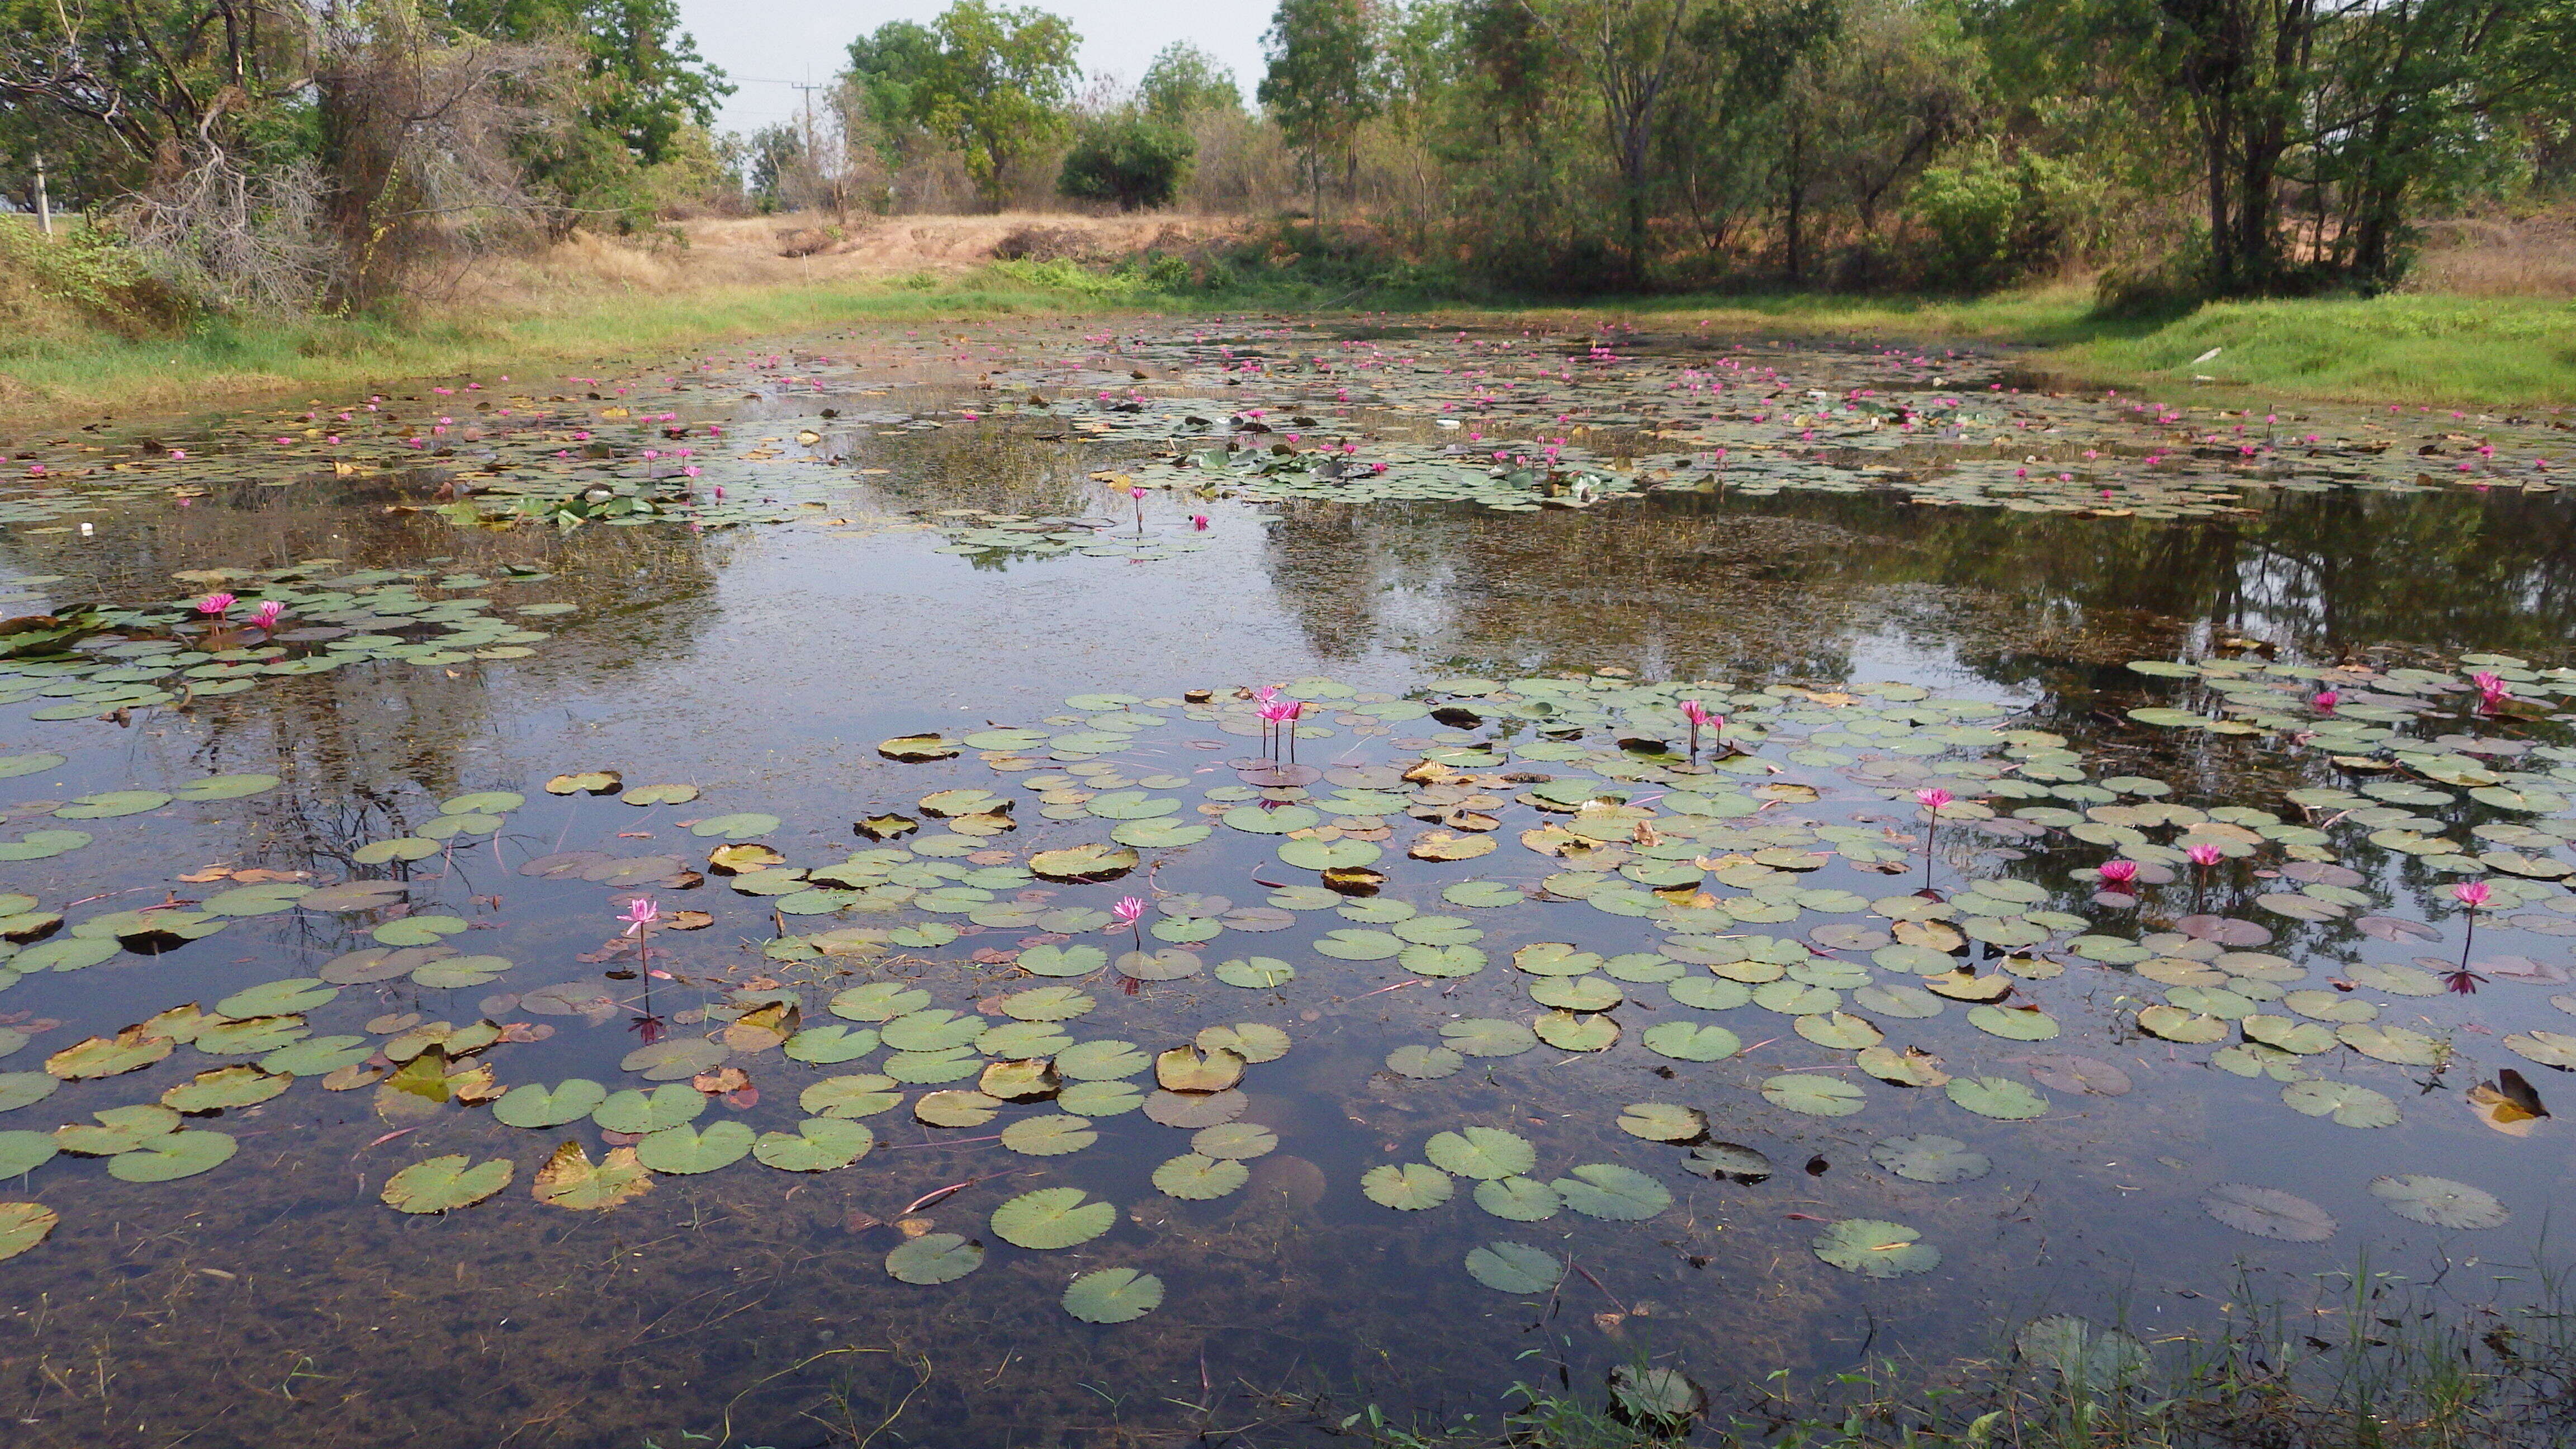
1488	1022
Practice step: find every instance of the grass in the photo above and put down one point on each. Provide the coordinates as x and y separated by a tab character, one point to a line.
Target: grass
97	370
2369	1360
2476	351
2496	351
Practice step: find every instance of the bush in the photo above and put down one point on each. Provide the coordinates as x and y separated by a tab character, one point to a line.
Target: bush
1994	219
1129	160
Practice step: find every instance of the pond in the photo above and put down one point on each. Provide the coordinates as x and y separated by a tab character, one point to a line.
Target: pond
1044	885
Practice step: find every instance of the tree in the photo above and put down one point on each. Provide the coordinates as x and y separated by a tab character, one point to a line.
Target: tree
893	72
1133	160
1322	84
1000	86
1185	81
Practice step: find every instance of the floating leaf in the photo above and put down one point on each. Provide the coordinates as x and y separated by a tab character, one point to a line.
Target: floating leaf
1425	1063
534	1107
1487	1037
1113	1295
24	1224
174	1156
224	1087
1662	1121
1998	1097
1607	1190
128	1051
1481	1152
685	1150
2347	1103
1052	1217
1930	1157
1049	1136
1197	1177
934	1258
2269	1213
442	1184
2439	1202
1508	1267
1519	1199
1814	1094
1689	1042
819	1144
1876	1249
1406	1187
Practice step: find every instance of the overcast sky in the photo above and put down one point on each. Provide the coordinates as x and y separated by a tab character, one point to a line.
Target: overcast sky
763	45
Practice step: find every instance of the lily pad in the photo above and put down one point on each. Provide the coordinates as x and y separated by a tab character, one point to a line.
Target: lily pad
1876	1249
2439	1202
1052	1217
1508	1267
819	1144
443	1184
1406	1187
934	1258
2269	1213
1930	1157
1608	1190
1113	1295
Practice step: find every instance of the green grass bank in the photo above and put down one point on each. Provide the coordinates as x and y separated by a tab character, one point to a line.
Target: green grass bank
83	341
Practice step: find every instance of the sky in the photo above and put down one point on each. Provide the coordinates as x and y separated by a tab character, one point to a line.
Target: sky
765	45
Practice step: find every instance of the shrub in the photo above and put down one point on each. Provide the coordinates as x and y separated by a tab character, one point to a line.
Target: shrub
1996	219
1129	160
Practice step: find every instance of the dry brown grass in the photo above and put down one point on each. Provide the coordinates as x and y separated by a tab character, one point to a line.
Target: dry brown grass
2500	256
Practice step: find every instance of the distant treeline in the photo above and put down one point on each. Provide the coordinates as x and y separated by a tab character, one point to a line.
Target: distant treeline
333	154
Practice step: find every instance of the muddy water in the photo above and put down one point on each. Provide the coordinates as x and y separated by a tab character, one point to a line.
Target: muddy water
274	1299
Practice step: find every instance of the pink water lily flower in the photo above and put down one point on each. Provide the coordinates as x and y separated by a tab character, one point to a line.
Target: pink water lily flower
216	605
1933	799
2492	691
2119	872
2472	893
267	614
2205	855
639	913
2326	700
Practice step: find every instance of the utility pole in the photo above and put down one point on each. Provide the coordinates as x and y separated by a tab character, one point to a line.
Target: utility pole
813	149
44	206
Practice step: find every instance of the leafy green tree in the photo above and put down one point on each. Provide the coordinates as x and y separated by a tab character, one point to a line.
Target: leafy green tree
1184	81
1133	160
894	74
1001	85
1322	85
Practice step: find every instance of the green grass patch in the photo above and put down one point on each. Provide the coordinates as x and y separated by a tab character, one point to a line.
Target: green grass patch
95	369
2494	351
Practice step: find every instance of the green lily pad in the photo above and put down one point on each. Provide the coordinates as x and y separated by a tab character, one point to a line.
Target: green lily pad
1876	1249
1052	1217
1424	1063
1607	1190
819	1144
934	1258
1689	1042
1930	1157
1196	1177
112	804
443	1184
174	1156
2348	1104
1487	1037
1518	1199
686	1150
1481	1152
278	998
533	1106
639	1113
218	1088
1814	1094
1998	1097
1662	1121
1406	1187
1113	1295
24	1224
1508	1267
2439	1202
